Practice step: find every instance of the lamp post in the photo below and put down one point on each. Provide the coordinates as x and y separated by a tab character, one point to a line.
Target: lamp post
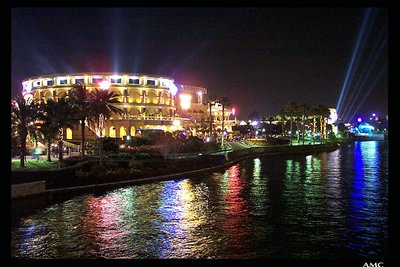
101	127
104	85
60	146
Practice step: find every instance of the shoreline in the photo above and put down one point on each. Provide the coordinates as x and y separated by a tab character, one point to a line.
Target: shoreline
231	158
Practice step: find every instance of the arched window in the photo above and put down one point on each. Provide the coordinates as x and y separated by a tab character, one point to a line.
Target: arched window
68	133
152	98
134	96
166	98
47	95
113	131
122	132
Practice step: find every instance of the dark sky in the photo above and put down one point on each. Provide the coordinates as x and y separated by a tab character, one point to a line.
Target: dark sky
260	58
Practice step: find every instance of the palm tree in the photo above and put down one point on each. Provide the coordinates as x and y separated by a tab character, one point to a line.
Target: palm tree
281	116
56	116
210	100
225	102
48	134
102	105
291	111
24	115
324	113
305	108
103	102
314	112
79	97
321	112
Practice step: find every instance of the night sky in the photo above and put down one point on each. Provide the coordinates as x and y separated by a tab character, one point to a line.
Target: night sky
260	58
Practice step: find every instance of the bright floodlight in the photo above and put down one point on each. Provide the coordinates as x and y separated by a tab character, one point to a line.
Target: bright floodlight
173	88
359	120
104	85
27	86
233	111
185	101
254	123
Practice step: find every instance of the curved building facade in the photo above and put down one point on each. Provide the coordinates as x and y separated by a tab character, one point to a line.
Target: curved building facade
148	101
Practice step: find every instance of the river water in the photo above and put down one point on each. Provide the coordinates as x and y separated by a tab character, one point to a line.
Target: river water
331	205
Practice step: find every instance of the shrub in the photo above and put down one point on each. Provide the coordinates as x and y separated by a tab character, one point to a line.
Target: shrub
110	145
193	144
140	141
121	155
210	146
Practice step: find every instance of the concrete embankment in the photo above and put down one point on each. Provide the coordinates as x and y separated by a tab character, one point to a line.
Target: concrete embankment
31	182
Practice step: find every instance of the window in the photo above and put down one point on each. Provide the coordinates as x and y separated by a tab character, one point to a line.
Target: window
134	81
49	83
97	80
80	80
151	82
116	80
37	83
63	81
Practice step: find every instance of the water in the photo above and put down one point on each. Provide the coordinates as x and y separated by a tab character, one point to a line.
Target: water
330	205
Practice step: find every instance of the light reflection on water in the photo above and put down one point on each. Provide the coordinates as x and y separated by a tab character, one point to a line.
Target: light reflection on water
327	205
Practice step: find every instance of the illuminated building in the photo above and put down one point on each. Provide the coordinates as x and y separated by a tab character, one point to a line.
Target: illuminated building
216	111
148	101
198	111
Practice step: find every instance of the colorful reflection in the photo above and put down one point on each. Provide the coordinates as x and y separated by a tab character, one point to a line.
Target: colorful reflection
105	221
33	241
333	187
184	211
235	223
357	196
366	200
259	189
331	205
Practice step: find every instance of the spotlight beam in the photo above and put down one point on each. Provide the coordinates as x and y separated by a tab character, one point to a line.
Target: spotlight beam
353	57
384	68
371	63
